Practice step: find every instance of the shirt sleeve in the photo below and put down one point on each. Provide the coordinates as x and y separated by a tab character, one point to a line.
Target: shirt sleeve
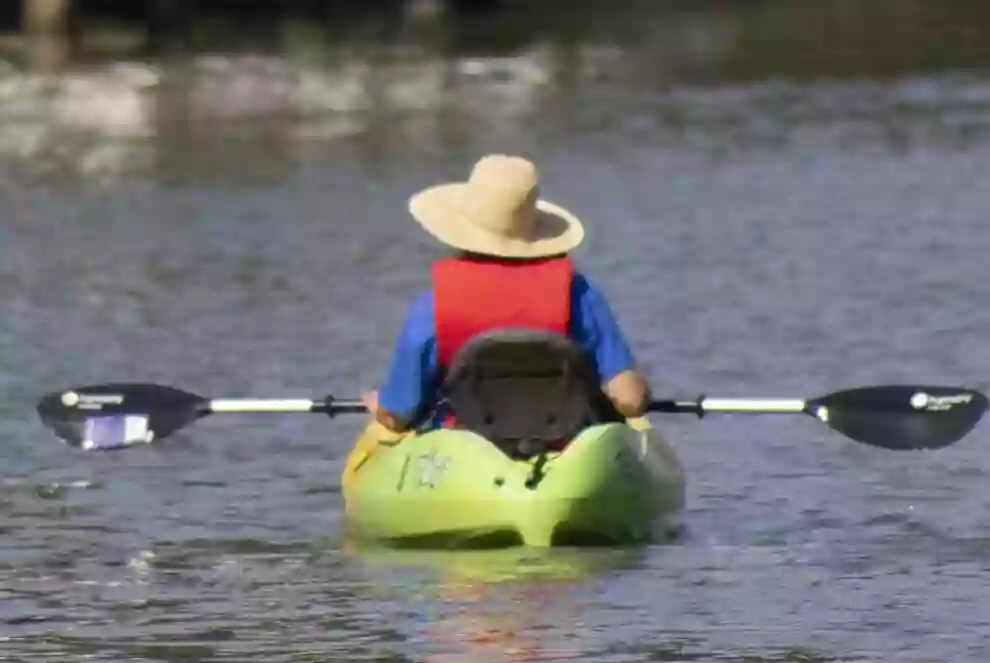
411	379
596	329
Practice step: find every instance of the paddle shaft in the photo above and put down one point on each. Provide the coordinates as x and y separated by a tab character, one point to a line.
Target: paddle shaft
703	405
327	406
896	417
699	406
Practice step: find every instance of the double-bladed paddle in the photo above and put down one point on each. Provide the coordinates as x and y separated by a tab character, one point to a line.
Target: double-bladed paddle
895	417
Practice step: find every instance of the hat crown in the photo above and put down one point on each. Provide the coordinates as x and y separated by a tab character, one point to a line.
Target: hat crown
501	195
497	212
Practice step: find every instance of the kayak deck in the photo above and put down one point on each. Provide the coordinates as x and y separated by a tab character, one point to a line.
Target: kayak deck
614	483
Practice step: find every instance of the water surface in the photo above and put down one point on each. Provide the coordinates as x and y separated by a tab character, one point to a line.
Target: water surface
776	205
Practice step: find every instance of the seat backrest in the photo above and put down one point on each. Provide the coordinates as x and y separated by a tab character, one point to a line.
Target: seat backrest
523	390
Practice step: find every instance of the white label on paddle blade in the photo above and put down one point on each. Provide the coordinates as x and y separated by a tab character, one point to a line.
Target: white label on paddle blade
136	428
116	431
929	403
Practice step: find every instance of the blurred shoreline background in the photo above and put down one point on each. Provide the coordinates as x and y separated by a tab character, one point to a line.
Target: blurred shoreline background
831	37
136	81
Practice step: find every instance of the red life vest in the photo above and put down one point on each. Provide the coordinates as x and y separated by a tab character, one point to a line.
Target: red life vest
472	297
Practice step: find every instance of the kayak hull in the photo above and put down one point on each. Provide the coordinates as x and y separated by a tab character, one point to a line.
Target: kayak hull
615	483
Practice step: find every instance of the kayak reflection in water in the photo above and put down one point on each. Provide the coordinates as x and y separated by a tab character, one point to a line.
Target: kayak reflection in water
510	605
509	269
492	624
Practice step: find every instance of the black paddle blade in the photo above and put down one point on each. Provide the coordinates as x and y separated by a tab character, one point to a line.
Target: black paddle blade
901	417
113	416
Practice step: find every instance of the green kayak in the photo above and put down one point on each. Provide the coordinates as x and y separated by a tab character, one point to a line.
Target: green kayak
614	483
530	453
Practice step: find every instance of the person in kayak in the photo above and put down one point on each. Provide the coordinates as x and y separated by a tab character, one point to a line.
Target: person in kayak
510	268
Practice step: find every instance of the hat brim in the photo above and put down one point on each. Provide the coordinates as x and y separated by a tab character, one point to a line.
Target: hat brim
439	209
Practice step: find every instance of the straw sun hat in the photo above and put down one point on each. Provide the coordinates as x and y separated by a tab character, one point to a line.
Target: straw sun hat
497	212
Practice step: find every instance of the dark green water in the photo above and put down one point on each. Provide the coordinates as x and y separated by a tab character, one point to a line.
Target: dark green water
781	199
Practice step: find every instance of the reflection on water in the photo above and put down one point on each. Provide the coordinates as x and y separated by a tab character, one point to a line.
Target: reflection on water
314	96
497	605
143	120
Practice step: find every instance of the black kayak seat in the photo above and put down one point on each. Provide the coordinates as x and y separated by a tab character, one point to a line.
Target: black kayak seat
526	391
